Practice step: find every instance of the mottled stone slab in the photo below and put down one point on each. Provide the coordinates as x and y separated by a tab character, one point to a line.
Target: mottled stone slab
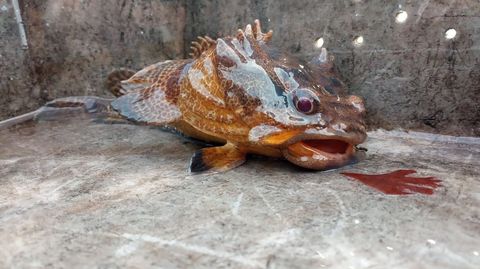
74	194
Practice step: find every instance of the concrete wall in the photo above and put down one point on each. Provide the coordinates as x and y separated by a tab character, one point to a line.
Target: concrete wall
16	90
73	45
409	73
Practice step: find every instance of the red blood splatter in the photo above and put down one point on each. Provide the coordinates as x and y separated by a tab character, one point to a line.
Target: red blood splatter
397	182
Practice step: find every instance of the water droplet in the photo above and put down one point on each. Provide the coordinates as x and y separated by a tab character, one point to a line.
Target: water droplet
450	33
319	43
401	16
358	41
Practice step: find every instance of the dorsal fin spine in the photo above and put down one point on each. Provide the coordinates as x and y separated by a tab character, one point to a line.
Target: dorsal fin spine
202	44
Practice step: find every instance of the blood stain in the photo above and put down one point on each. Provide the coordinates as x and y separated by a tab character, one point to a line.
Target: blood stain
397	182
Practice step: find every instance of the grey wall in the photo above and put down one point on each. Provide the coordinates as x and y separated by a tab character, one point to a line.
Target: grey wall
409	74
73	45
16	91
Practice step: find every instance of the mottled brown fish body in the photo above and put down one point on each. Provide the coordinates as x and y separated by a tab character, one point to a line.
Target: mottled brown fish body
243	93
202	104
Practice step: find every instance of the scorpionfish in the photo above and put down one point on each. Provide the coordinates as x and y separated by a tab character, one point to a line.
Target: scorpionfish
251	98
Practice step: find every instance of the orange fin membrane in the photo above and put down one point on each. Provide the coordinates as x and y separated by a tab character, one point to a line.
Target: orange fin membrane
217	159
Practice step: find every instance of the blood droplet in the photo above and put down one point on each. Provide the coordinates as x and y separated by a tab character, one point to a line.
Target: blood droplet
397	182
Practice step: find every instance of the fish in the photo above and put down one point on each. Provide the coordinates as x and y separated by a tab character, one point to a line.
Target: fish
247	96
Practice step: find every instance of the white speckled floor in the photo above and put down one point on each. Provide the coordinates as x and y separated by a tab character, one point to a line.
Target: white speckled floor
81	195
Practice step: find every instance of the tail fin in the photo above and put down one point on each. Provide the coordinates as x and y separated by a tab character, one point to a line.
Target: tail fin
114	79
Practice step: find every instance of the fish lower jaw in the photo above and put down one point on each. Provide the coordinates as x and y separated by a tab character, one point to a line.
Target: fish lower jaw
320	154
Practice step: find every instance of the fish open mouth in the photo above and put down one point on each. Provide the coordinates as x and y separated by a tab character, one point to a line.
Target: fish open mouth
320	154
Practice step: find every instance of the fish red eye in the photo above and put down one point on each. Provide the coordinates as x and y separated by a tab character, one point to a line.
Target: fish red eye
305	101
304	105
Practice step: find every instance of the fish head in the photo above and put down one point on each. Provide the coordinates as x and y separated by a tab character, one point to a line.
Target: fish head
299	108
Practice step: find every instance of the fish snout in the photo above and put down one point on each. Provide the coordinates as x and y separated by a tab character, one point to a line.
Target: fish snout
354	119
347	119
357	103
333	142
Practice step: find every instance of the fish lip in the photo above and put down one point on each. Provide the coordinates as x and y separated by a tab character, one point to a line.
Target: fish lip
320	159
349	138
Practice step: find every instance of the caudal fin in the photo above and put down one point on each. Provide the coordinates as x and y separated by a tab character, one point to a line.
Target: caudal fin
114	79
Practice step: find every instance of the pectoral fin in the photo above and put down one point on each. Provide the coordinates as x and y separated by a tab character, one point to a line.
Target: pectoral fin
217	159
149	105
150	95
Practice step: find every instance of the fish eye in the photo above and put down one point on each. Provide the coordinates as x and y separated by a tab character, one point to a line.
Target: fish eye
304	105
305	102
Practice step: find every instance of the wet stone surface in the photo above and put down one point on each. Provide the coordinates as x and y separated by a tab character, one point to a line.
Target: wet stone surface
77	194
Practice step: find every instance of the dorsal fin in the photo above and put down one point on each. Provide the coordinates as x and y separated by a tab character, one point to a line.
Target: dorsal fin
114	81
255	32
200	45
